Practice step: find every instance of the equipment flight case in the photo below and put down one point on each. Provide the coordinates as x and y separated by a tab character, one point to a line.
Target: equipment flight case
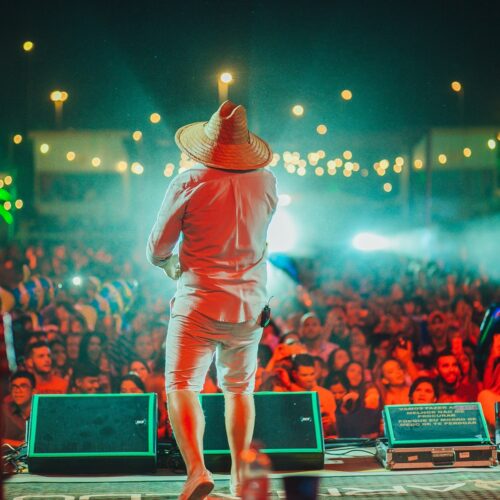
435	436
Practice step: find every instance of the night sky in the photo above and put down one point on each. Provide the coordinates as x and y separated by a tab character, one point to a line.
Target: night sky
121	60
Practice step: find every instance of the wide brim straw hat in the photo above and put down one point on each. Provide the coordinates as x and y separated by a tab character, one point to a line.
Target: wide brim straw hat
224	141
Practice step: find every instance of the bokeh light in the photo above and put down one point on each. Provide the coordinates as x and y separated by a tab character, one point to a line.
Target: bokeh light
467	152
137	135
70	155
346	95
19	204
298	110
137	168
456	86
8	180
321	129
442	159
28	46
492	143
18	138
387	187
155	118
44	148
96	161
122	166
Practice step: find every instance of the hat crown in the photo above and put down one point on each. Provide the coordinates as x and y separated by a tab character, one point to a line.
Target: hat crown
228	125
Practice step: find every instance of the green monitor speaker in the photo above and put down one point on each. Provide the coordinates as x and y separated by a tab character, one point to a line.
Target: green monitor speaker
92	433
288	424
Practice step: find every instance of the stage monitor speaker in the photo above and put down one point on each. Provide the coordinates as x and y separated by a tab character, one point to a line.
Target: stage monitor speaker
92	433
288	424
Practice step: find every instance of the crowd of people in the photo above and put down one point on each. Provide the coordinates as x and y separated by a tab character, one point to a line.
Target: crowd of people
361	330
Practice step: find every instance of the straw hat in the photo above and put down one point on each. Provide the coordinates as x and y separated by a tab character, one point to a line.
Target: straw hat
224	141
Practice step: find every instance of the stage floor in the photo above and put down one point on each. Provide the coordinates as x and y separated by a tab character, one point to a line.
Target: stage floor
356	474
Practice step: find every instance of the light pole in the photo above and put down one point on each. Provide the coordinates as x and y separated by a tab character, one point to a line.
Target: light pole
223	86
58	97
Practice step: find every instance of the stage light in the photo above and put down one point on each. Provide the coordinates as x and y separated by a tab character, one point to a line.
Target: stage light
368	242
77	281
284	200
226	77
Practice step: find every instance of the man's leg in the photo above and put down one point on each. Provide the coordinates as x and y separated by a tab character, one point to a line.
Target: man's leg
188	424
240	421
236	367
189	353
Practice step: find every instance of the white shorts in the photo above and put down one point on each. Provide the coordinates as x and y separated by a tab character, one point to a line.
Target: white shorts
190	346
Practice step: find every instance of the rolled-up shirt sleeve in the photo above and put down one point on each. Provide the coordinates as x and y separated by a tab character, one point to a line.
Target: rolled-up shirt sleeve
168	225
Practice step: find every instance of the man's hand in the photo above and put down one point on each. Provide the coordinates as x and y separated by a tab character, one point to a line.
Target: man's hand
172	268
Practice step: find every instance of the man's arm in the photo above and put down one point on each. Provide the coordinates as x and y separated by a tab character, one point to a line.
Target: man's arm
168	225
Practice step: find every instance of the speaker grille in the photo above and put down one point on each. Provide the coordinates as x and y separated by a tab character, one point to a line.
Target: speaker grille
284	421
92	424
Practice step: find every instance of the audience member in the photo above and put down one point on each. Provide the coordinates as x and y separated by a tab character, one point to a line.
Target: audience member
85	379
393	384
131	384
39	362
423	391
312	336
16	412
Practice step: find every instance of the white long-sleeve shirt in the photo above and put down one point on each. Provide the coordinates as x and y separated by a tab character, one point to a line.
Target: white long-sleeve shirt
223	217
